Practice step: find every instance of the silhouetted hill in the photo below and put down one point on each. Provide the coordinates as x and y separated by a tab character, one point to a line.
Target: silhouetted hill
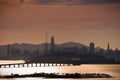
30	47
34	47
72	44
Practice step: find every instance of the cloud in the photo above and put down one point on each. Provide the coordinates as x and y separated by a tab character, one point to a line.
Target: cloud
74	2
55	1
99	1
52	2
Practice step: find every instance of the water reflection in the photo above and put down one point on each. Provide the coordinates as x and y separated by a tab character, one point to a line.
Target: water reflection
108	69
113	70
28	70
11	61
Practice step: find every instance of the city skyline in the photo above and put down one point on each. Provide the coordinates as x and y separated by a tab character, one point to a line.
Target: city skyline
69	52
51	44
27	22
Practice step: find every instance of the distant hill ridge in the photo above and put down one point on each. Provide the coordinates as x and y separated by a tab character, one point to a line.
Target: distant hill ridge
34	47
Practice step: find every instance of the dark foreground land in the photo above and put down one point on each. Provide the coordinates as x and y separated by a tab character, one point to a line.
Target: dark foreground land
72	58
53	75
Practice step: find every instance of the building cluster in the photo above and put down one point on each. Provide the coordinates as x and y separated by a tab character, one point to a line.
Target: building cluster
9	51
80	50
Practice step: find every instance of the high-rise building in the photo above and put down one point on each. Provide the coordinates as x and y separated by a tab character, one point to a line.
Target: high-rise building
52	44
108	48
92	49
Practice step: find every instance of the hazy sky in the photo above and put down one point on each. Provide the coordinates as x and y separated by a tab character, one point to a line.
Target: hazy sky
83	21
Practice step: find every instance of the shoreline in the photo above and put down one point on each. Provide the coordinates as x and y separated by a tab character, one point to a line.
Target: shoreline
57	75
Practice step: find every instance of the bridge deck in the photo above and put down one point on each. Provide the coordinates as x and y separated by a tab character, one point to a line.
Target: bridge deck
32	65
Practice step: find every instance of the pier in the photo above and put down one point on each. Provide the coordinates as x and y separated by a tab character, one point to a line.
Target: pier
21	65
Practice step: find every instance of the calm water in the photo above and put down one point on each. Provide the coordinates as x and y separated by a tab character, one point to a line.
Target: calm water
113	70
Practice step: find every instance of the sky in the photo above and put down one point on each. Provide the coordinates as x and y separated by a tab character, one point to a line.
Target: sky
83	21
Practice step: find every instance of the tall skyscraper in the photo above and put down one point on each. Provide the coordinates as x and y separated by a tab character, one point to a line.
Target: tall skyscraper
92	49
108	48
52	44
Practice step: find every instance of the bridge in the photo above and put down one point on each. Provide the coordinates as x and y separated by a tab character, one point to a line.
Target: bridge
21	65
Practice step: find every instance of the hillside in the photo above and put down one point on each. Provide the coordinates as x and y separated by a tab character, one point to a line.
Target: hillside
33	47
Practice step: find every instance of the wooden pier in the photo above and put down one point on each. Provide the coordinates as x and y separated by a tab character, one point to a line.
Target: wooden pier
21	65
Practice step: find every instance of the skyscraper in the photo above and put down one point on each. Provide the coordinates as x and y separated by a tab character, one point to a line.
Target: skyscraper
108	48
92	49
52	44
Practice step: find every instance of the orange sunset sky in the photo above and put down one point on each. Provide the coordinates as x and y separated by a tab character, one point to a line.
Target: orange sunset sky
83	21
